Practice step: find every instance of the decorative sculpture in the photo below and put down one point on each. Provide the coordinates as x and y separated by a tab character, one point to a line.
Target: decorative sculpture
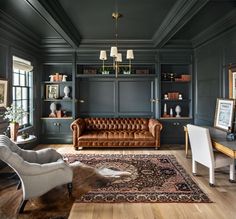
171	112
177	110
66	92
53	108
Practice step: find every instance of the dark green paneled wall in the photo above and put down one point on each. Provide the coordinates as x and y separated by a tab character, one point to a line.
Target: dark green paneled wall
211	74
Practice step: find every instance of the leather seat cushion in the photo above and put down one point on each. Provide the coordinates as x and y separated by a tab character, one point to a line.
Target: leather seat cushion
107	135
94	135
117	135
143	135
120	135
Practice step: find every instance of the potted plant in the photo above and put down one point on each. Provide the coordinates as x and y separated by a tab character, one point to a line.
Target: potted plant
105	70
125	71
14	115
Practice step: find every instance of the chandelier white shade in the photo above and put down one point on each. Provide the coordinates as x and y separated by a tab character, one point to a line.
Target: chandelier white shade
103	55
119	57
114	51
130	54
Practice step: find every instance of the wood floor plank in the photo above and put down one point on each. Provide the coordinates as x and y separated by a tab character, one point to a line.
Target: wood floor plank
223	195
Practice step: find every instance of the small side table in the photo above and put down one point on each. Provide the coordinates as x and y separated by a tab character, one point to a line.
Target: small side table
20	140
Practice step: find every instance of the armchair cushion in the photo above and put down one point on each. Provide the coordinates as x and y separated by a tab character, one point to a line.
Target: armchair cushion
39	171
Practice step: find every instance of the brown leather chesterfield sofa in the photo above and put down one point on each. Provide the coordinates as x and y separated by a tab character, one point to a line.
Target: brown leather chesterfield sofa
116	132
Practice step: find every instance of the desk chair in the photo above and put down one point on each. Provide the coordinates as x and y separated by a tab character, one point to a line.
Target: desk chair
39	171
202	152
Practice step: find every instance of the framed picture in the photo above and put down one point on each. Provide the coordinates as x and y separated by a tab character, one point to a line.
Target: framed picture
52	91
3	93
232	83
224	114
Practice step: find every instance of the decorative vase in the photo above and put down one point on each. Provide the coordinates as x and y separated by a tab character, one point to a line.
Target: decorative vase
171	112
165	110
14	127
64	77
66	92
177	110
53	108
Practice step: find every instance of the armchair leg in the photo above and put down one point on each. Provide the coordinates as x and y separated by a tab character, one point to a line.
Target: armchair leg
69	187
194	167
22	206
212	176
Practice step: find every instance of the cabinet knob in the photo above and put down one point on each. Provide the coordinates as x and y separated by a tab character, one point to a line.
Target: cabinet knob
176	123
57	124
154	100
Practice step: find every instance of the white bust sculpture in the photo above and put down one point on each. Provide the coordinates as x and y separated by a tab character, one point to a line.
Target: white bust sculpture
66	92
53	108
177	110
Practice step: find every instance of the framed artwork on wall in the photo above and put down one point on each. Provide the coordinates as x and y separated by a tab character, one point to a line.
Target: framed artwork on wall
3	93
232	83
52	91
224	114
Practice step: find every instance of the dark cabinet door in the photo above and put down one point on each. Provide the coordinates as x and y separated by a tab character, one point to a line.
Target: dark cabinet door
135	97
122	97
173	131
56	131
96	97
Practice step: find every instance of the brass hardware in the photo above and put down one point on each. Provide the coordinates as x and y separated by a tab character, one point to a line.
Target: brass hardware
116	15
57	124
154	100
176	123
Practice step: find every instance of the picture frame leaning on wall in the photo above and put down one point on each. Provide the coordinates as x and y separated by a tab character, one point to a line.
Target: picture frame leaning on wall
224	114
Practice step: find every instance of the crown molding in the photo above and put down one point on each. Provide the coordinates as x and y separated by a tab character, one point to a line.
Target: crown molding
52	12
55	45
215	30
54	42
179	15
107	43
178	44
12	29
97	45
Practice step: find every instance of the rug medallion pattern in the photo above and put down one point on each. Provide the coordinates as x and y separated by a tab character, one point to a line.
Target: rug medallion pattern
154	179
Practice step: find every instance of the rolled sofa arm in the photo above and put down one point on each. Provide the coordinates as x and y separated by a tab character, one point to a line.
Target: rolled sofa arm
155	128
77	127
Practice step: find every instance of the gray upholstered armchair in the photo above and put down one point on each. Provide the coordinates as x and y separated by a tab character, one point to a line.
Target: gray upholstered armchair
39	171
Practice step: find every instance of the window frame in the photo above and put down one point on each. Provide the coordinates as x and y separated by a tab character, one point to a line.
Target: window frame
28	85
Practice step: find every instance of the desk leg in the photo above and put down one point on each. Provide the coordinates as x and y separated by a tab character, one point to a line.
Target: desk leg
186	141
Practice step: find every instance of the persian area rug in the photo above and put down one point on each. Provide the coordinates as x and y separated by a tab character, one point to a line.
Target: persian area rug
153	179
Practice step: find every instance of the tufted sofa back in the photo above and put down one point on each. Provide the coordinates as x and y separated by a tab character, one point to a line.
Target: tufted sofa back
116	123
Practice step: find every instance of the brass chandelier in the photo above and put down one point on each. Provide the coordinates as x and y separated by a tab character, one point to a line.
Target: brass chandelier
114	53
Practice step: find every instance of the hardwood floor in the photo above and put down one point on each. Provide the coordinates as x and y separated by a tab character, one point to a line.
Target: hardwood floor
223	194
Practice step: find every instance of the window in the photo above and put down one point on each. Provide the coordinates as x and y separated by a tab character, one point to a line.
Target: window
22	88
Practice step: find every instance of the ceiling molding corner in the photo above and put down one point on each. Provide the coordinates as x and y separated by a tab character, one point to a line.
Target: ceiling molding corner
215	30
178	16
53	13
